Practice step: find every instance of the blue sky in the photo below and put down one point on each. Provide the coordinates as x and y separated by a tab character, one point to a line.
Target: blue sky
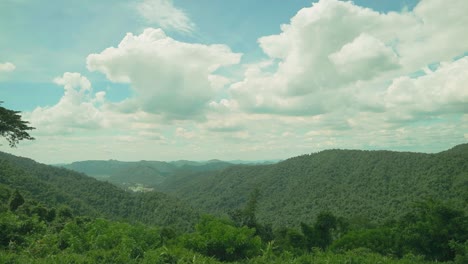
233	79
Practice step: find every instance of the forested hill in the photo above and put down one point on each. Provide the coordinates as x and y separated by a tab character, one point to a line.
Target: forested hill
141	172
359	185
56	187
350	183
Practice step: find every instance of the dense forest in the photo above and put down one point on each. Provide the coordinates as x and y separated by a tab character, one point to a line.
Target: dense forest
84	195
33	233
368	186
335	206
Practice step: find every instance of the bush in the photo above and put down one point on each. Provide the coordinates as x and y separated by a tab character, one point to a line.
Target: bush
222	240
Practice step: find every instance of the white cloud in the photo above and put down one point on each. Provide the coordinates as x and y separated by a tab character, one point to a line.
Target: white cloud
314	53
438	33
75	110
223	106
184	133
341	78
444	91
224	125
169	77
337	56
218	82
73	82
337	76
166	15
7	67
364	57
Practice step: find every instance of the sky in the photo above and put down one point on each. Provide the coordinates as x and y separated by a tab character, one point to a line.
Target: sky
249	80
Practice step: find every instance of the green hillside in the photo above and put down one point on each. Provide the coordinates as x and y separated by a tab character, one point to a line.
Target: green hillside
359	185
148	173
39	235
429	226
87	196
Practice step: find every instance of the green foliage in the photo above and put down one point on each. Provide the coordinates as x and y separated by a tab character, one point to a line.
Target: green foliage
57	187
246	216
12	127
381	240
461	251
372	185
16	200
317	236
9	227
432	229
221	239
321	236
429	229
18	230
358	256
60	220
27	238
97	241
107	241
5	194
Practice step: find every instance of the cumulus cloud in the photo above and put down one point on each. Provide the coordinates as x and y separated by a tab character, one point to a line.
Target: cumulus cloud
444	91
333	52
81	109
76	109
166	15
337	76
7	67
223	106
171	78
365	57
435	35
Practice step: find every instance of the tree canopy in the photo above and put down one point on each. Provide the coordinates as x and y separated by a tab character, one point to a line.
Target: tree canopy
368	187
12	127
54	215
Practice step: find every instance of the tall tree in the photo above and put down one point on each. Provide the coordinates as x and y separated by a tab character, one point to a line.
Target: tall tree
16	200
12	127
246	216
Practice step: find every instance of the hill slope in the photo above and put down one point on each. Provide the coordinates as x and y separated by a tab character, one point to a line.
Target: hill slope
148	173
374	185
87	196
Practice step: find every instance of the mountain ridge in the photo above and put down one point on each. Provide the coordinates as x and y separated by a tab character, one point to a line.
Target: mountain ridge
369	184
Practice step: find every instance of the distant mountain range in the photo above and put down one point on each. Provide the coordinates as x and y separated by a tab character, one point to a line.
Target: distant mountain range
148	173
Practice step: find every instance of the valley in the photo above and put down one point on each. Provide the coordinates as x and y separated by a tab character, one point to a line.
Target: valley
370	185
316	207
